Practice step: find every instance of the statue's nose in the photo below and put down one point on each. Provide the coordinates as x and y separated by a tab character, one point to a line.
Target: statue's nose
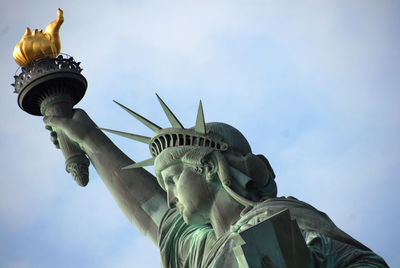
172	200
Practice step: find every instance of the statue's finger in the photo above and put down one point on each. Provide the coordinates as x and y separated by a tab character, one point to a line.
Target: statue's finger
54	121
49	128
57	144
48	120
53	134
54	139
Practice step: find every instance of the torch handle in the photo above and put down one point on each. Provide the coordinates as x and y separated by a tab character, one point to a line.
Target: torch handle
76	161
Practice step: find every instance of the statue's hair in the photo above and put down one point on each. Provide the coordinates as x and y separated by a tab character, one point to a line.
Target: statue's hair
187	155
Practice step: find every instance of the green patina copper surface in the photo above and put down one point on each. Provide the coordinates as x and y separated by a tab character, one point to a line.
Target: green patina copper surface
213	202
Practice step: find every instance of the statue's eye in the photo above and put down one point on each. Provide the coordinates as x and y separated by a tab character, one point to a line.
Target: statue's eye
172	180
169	181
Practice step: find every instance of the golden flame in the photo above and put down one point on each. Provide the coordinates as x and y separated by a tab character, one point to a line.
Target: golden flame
38	44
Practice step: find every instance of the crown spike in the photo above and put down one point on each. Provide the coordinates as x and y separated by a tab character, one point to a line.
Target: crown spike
129	135
146	122
144	163
171	117
200	123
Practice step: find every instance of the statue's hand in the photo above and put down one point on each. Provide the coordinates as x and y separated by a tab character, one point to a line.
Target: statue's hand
76	128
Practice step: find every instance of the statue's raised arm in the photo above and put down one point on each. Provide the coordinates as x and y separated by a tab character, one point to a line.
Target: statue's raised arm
136	191
50	84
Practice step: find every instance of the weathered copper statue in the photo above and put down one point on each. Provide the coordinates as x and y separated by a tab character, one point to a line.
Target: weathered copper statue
212	202
210	189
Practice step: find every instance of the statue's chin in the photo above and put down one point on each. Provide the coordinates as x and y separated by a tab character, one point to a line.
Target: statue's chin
187	218
193	219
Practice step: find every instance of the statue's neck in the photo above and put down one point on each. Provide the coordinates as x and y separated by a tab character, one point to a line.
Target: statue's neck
224	212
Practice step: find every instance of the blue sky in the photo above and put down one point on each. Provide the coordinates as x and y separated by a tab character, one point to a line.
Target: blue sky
313	85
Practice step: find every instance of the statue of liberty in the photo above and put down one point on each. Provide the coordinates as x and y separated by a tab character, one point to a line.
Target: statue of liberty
212	202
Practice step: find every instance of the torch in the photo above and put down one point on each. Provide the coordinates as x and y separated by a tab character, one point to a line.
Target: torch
50	84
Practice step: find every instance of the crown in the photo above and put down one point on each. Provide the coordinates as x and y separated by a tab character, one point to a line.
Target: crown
175	137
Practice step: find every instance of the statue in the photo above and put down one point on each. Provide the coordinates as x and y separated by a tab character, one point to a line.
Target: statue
215	189
212	202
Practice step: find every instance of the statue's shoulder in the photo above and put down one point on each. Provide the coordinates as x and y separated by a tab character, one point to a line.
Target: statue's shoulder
269	207
308	218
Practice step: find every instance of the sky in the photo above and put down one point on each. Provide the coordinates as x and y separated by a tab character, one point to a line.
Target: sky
313	85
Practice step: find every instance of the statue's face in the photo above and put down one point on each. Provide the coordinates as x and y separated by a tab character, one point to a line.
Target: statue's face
190	192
